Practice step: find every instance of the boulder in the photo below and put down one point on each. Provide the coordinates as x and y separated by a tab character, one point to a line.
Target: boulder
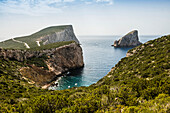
130	39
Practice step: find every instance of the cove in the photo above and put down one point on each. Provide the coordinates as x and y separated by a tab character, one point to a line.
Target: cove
99	58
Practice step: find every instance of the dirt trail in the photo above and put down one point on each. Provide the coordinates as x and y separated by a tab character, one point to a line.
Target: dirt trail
26	45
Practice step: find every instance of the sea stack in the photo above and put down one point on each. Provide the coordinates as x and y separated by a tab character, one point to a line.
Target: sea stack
129	40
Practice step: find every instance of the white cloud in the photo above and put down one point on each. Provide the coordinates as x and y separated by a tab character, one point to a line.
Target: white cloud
88	3
41	7
68	1
32	7
110	2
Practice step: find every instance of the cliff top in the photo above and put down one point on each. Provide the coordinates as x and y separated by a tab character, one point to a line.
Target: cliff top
30	41
132	32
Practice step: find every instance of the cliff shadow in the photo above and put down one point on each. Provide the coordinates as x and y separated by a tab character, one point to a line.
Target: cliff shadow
123	48
75	72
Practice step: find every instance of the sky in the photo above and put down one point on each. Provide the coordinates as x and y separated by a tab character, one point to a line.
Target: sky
88	17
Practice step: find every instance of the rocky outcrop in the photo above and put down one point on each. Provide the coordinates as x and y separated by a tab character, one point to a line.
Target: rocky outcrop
130	39
58	60
64	35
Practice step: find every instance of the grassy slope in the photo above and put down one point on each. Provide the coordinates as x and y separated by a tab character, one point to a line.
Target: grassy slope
137	83
31	39
10	44
53	45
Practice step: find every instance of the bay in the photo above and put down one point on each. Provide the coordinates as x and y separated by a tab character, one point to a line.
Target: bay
99	58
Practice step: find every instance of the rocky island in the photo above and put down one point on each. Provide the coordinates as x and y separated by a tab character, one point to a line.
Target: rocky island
129	40
57	51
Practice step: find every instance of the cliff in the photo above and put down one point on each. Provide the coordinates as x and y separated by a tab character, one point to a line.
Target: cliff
130	39
46	54
66	34
42	66
43	37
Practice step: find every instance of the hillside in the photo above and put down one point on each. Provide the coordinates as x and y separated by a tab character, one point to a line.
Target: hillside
45	36
139	82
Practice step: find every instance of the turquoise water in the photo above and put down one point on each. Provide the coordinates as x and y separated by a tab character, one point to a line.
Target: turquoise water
99	58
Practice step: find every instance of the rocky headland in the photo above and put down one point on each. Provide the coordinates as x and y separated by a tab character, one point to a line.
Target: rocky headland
56	52
43	37
129	40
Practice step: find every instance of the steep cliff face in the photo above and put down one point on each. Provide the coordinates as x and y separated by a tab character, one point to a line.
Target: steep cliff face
66	34
44	65
130	39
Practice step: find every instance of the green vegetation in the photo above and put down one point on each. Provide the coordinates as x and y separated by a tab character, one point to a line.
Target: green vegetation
10	44
52	45
139	83
31	39
158	105
13	88
37	61
46	31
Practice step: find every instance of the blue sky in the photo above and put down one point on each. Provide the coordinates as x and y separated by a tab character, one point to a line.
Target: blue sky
88	17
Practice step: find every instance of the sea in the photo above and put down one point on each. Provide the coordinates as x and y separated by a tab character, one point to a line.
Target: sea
99	58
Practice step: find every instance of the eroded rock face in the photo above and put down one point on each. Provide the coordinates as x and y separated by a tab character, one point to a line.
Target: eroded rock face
64	35
130	39
59	60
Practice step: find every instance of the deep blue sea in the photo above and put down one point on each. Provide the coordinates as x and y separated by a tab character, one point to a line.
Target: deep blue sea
99	58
